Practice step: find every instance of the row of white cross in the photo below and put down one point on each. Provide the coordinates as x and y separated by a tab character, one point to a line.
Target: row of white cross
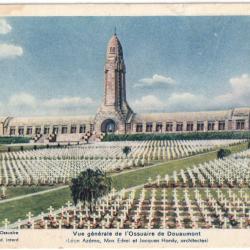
41	172
59	165
108	150
151	208
232	171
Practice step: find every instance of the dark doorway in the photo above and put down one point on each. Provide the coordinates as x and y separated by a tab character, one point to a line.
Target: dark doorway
108	126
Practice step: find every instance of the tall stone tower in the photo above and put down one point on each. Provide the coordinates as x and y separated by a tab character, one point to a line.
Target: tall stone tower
114	115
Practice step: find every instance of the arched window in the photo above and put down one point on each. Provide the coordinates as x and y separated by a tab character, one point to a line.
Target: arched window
112	49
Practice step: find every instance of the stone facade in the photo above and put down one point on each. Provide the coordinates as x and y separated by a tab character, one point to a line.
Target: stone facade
115	115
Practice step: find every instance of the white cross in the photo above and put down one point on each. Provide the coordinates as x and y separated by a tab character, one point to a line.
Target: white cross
19	223
51	209
32	224
243	208
112	211
3	191
241	222
69	204
99	212
29	215
60	224
88	224
79	205
81	216
149	180
108	217
62	210
6	223
113	191
67	217
235	214
86	210
103	224
94	216
117	225
245	197
158	179
225	222
74	224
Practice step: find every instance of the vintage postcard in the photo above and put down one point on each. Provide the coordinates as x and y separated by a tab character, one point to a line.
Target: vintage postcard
124	125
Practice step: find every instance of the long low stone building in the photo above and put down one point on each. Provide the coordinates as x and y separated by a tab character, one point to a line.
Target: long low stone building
227	120
116	116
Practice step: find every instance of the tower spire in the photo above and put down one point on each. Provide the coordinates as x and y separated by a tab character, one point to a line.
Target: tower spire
114	113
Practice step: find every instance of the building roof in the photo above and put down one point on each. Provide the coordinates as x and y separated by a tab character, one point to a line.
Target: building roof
241	111
184	116
50	120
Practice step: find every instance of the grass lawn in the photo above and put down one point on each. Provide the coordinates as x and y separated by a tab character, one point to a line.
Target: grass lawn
15	210
18	209
141	176
18	191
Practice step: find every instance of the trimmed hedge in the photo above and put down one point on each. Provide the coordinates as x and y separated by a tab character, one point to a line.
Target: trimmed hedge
13	140
179	136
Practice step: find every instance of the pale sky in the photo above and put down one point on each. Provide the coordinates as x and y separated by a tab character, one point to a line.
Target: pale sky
54	65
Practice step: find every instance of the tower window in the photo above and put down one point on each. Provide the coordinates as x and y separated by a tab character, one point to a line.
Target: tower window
112	50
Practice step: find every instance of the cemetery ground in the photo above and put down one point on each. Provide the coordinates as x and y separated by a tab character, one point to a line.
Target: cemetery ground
16	191
18	209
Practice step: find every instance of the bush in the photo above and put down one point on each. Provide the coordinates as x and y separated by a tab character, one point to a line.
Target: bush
126	150
223	153
179	136
89	186
13	140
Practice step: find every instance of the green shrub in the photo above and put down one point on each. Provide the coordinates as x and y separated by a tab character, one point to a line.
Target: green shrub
126	150
179	136
221	153
13	140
